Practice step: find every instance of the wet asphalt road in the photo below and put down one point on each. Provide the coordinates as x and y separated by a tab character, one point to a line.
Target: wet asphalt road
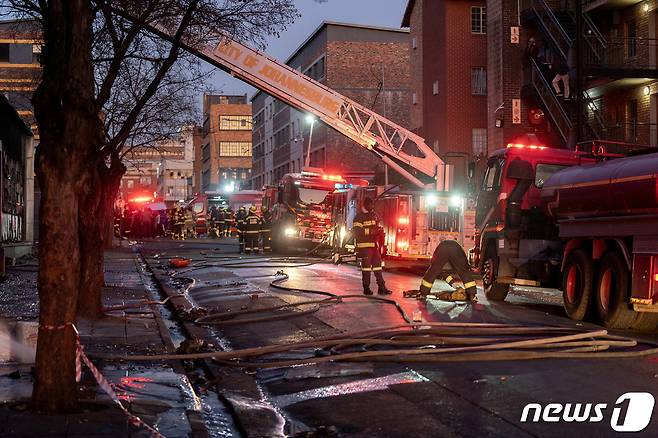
414	400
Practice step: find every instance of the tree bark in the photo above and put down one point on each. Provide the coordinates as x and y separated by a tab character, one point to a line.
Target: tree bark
70	130
96	214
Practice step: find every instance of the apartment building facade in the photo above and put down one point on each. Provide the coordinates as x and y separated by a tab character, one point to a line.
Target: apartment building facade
448	55
368	64
226	151
610	53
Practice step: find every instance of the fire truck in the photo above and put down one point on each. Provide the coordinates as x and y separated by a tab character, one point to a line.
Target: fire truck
400	149
583	220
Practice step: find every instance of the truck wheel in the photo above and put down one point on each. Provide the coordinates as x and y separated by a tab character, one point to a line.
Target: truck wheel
577	280
645	322
612	292
493	290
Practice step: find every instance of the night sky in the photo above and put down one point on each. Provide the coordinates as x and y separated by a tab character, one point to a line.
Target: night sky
387	13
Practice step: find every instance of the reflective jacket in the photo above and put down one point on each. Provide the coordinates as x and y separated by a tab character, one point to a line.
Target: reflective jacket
252	224
365	227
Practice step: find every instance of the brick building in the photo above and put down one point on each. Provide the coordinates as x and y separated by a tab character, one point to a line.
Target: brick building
226	150
618	70
449	78
367	64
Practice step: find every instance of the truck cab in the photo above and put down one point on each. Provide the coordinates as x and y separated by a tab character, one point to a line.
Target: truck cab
516	242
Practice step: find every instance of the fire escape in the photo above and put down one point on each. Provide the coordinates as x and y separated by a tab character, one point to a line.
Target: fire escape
606	63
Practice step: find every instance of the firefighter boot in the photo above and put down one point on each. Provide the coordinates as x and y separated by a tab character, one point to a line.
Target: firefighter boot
381	285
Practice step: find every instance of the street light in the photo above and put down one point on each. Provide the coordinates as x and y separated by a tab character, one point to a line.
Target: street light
309	119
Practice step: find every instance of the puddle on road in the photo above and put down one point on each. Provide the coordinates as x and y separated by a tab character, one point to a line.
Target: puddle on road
218	421
365	385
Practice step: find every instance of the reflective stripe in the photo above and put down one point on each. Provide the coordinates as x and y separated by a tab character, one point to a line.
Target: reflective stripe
469	284
427	284
369	223
366	269
265	231
357	224
252	232
366	245
377	268
449	279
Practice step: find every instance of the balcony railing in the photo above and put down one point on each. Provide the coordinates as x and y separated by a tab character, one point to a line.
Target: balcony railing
623	53
636	133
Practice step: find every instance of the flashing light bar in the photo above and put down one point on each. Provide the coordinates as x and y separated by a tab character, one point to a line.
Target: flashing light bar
140	199
332	177
525	146
403	220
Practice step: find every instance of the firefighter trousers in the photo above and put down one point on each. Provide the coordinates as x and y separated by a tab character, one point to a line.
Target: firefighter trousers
371	262
241	240
251	242
266	237
452	253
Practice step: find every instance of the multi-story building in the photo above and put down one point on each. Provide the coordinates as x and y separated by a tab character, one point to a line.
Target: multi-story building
20	71
367	64
608	53
226	148
449	79
143	163
16	184
175	176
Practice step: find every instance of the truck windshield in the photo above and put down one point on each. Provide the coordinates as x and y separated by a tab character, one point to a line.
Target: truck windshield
312	196
545	171
492	176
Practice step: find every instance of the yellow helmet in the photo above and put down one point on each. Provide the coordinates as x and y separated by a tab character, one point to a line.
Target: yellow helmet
252	209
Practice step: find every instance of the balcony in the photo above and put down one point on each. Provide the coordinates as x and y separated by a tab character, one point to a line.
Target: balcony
623	57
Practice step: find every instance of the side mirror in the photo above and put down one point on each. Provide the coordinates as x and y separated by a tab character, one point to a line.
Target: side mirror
471	170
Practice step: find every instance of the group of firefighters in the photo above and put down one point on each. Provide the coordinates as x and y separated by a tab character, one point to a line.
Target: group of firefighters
254	231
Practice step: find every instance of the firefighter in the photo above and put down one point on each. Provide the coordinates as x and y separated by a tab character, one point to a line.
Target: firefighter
252	226
230	222
266	231
452	253
212	225
240	217
366	230
179	223
221	221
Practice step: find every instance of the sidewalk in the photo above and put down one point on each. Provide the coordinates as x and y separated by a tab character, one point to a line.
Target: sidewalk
159	393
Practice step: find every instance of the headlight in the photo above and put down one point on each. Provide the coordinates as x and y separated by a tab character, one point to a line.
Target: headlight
289	232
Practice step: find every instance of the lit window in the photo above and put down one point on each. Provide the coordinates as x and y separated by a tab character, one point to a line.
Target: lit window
478	19
235	123
235	149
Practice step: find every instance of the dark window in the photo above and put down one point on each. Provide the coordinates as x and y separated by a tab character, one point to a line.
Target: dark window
631	39
632	121
479	81
478	19
493	174
4	52
545	171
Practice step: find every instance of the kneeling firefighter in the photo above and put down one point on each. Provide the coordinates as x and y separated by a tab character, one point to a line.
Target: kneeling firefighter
366	231
452	253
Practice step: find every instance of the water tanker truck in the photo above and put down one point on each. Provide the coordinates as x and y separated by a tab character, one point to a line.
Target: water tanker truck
585	221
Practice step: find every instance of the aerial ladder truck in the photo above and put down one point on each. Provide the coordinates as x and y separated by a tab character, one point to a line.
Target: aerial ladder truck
397	147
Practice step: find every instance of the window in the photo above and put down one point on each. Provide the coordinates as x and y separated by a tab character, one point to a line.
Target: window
4	52
478	19
235	149
479	81
479	141
235	123
631	39
545	171
435	88
492	176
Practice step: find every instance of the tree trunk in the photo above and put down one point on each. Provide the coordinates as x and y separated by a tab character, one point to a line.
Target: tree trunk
96	214
70	132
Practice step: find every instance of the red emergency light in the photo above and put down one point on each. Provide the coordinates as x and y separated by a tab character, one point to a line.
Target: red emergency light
525	146
332	177
403	220
141	199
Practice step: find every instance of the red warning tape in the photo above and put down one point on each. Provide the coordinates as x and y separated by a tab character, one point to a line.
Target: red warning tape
80	357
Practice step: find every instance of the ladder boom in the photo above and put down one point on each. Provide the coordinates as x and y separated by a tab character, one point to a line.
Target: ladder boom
395	145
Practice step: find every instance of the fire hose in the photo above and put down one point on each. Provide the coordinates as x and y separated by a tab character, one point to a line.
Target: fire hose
433	341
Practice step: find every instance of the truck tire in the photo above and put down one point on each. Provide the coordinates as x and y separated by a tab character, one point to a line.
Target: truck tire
612	293
493	290
645	322
577	280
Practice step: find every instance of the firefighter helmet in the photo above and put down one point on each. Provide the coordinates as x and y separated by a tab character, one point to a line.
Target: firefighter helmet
252	209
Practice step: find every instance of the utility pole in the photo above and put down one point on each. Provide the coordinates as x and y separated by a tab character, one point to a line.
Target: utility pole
580	76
